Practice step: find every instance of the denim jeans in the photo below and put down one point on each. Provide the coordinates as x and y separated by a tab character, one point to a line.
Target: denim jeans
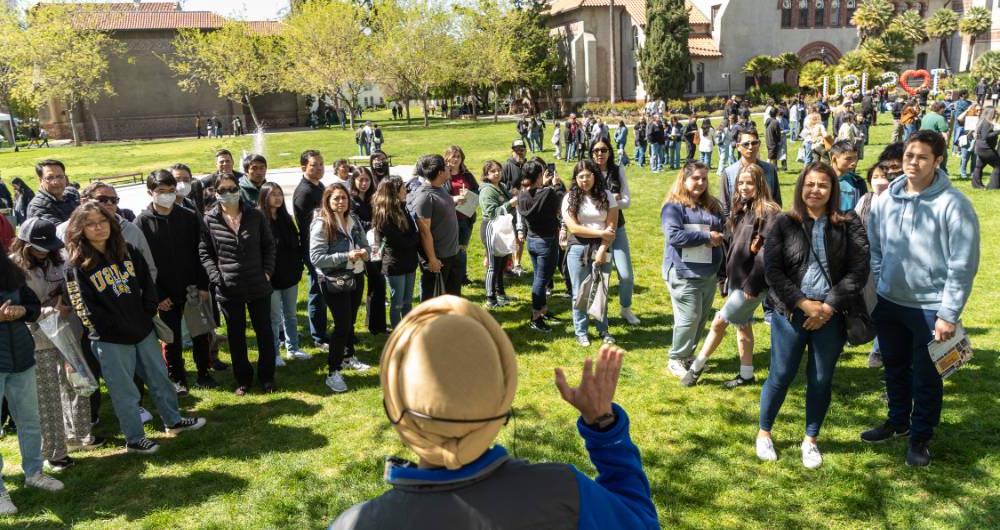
580	264
400	296
912	383
640	153
120	363
968	160
691	299
793	130
283	317
544	252
706	158
622	258
656	156
674	154
570	151
315	307
724	159
21	391
789	343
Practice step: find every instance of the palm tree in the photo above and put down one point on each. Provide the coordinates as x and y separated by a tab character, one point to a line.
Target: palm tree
988	67
911	26
977	20
760	66
871	18
943	25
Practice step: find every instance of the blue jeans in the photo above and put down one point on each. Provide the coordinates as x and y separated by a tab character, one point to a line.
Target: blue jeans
706	158
622	258
788	345
912	382
120	363
315	307
674	154
656	156
724	158
544	252
21	391
793	130
968	159
283	317
579	264
400	296
570	151
640	153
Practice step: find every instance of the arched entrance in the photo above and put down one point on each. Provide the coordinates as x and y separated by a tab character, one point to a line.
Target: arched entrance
814	51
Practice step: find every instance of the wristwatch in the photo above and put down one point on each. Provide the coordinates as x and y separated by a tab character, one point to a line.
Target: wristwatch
603	423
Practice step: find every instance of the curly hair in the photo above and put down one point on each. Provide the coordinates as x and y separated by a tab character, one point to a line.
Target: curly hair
596	193
81	252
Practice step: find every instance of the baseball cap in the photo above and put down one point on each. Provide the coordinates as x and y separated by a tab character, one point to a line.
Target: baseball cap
517	143
40	234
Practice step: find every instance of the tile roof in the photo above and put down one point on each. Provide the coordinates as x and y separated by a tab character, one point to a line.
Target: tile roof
635	8
142	20
703	47
133	6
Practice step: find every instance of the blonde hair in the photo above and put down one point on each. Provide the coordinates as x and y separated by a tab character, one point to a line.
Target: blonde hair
761	204
679	193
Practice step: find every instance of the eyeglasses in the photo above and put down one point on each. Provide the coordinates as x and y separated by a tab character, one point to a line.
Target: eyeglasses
752	143
53	178
228	190
106	199
102	222
600	151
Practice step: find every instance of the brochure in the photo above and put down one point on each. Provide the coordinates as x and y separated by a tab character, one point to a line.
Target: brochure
468	208
950	355
701	253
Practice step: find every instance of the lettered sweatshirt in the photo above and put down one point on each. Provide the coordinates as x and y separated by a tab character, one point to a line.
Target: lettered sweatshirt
115	300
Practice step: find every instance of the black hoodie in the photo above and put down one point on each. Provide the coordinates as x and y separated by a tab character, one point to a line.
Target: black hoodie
173	239
540	209
118	299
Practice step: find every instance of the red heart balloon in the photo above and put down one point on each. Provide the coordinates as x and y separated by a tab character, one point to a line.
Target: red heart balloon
905	77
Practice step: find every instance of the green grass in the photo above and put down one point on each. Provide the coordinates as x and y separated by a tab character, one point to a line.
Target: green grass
298	458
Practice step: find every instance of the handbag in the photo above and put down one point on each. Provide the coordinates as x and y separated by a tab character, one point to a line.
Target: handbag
163	331
756	238
339	280
858	324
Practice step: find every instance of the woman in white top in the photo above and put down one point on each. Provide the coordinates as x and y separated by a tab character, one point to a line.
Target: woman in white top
590	213
707	142
812	136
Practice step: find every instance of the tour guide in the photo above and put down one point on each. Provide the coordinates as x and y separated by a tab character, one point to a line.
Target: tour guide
449	364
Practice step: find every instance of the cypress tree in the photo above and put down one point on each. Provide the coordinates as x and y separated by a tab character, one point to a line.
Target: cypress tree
665	61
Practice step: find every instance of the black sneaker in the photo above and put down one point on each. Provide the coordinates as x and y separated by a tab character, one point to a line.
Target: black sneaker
549	317
738	381
60	464
143	446
539	325
206	381
186	424
691	377
918	454
219	366
884	432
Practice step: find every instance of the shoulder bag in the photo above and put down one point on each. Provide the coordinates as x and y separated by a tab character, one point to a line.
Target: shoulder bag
858	324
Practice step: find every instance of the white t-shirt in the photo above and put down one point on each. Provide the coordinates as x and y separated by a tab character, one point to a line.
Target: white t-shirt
587	214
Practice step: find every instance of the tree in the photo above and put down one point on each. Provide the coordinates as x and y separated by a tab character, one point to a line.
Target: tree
239	62
69	60
328	44
911	26
489	48
664	59
537	49
943	25
15	66
857	62
812	73
871	18
760	67
987	67
889	50
977	20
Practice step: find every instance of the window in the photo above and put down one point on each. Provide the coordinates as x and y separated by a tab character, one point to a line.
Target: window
635	38
700	77
820	14
835	13
851	6
803	13
786	13
921	61
715	14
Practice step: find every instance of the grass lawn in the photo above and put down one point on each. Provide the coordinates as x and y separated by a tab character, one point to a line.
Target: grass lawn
297	458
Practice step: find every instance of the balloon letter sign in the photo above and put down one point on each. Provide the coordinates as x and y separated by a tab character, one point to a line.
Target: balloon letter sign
889	80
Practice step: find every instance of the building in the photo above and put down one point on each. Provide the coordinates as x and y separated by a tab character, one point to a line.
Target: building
724	35
148	102
988	41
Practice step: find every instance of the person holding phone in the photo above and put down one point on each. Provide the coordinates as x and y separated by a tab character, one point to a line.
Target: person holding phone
538	203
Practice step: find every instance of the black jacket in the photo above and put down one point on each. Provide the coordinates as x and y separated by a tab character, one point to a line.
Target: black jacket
306	198
743	270
17	348
787	250
237	262
51	209
173	239
21	202
540	209
510	174
654	132
399	253
288	253
117	300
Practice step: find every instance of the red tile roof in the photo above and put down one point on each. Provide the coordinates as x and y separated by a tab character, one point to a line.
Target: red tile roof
703	47
132	6
635	8
133	21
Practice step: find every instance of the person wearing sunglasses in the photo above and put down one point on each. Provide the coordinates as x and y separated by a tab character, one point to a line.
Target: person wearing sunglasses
53	202
748	145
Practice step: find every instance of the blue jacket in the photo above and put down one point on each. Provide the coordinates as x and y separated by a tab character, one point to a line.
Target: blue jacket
673	217
925	247
498	492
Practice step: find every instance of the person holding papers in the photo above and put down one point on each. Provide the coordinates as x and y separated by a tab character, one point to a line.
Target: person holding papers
692	222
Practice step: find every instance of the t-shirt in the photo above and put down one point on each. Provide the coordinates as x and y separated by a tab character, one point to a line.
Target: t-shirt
435	204
933	122
588	216
847	194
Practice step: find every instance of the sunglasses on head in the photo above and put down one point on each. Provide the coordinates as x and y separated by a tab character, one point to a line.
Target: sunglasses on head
751	143
107	200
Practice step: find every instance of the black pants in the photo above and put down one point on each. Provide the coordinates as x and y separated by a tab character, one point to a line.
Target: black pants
236	330
175	350
357	297
450	274
375	300
983	159
342	310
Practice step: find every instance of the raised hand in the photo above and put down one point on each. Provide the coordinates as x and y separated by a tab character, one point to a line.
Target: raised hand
596	391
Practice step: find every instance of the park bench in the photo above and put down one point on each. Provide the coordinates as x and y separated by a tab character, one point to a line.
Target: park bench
362	160
123	179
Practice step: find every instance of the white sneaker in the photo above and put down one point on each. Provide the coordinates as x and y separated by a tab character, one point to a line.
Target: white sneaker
300	355
874	360
765	449
335	382
629	316
811	458
323	347
144	415
677	367
6	505
43	482
278	361
352	363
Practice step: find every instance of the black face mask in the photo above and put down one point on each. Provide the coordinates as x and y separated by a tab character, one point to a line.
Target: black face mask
378	166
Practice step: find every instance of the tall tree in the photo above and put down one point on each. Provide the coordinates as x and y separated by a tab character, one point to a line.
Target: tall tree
812	73
760	67
943	25
537	49
871	18
328	43
15	66
664	59
988	67
977	20
489	48
239	62
69	60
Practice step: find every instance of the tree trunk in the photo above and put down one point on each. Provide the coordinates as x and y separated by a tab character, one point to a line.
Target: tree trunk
423	103
253	114
475	111
972	51
72	124
13	130
496	103
407	110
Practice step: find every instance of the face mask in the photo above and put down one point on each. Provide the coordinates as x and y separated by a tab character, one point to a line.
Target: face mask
229	199
880	186
378	165
183	188
164	200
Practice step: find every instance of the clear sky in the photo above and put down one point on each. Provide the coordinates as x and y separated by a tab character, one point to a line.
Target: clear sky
246	9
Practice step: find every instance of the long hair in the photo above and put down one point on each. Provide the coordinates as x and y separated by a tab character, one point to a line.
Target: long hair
81	253
331	223
612	172
596	193
760	204
358	172
456	150
387	209
11	276
20	253
799	211
262	202
679	193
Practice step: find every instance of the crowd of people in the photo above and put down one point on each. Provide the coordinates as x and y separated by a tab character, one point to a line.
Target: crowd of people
136	290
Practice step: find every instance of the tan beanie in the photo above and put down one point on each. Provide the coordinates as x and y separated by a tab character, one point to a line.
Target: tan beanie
448	359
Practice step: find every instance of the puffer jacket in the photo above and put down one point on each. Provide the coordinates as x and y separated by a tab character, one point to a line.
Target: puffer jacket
787	250
326	254
52	209
238	262
17	348
173	241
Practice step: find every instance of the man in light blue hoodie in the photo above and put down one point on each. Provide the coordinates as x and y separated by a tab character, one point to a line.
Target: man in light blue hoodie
925	253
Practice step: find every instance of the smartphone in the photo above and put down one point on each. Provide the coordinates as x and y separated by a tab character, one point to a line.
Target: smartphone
552	169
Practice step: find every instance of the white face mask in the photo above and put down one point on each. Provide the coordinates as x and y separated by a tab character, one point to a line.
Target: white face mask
164	200
229	199
183	188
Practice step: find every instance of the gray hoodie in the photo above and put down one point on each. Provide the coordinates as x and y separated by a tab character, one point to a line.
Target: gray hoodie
925	247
